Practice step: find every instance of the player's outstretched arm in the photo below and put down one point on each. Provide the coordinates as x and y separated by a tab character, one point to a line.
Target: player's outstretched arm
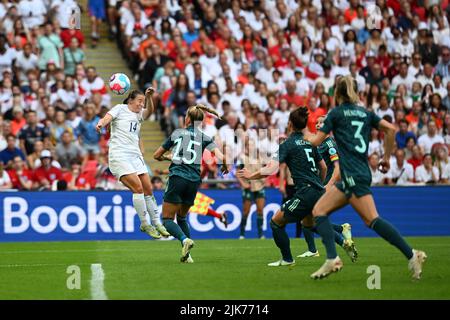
269	169
149	107
316	139
103	122
389	138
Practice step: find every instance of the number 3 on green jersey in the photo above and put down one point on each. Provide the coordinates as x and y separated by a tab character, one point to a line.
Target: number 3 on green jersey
362	147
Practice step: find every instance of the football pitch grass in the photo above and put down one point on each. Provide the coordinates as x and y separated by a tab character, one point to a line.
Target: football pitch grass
223	269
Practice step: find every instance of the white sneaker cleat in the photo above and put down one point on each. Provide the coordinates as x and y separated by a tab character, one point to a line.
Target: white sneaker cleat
241	237
330	266
262	237
350	249
188	244
347	231
188	260
415	264
162	230
309	254
281	263
151	231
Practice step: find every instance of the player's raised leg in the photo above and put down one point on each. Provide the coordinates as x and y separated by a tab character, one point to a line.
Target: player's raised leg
133	183
365	206
150	202
329	202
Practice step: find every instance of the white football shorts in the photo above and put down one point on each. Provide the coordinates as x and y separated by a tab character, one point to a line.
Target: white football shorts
121	167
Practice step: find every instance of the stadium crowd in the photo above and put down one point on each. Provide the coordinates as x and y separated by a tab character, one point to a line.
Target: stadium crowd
253	61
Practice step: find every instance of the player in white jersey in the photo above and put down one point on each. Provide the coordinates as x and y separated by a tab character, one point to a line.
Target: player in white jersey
126	161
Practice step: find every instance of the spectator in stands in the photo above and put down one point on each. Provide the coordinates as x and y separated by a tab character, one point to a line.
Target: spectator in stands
178	100
18	121
94	84
377	176
50	48
31	133
86	132
157	183
401	172
21	177
25	62
314	113
47	174
443	67
73	55
427	140
410	143
442	163
67	151
155	61
77	179
58	127
8	154
97	11
403	134
33	12
5	182
427	173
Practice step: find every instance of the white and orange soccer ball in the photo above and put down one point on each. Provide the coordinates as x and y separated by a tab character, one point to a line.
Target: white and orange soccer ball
119	83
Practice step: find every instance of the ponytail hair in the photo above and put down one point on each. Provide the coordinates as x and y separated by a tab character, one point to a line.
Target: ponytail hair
346	90
197	112
132	95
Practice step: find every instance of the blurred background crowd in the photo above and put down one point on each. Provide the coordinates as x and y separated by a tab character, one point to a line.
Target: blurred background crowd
253	61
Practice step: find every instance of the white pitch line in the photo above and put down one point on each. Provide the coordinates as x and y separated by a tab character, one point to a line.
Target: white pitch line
31	265
97	282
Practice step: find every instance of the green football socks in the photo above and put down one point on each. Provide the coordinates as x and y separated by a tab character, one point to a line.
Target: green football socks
324	228
309	238
174	229
182	223
388	232
281	239
243	224
259	222
338	228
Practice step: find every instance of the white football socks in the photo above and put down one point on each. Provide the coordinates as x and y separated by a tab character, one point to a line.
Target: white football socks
152	209
140	207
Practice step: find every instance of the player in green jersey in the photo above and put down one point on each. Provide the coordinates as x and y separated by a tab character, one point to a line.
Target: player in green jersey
308	171
351	126
329	153
187	147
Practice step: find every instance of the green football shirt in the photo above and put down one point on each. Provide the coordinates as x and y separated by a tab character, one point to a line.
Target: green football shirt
187	150
302	160
351	126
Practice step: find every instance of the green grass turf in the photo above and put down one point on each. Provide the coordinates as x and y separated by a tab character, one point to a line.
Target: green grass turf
223	269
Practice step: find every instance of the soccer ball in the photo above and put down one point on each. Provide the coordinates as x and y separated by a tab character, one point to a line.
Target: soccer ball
119	83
